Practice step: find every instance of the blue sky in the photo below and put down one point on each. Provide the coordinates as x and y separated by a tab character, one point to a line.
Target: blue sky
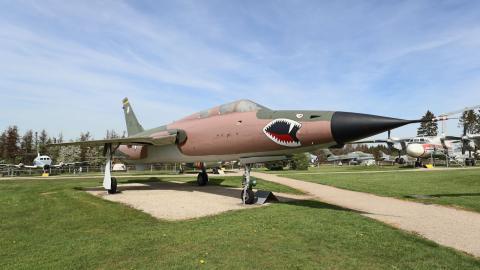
66	65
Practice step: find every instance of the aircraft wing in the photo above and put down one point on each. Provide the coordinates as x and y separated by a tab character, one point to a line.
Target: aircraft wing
372	141
158	140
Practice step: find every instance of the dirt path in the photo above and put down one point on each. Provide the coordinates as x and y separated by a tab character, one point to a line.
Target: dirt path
447	226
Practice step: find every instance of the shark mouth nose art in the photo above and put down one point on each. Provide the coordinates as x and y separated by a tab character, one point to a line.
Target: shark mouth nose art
283	132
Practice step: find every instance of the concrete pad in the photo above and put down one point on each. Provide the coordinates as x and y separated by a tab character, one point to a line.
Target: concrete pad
180	201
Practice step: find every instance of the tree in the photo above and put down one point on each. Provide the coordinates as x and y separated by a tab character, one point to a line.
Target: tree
55	151
27	147
469	121
69	154
3	138
83	149
429	128
111	134
42	142
300	161
11	144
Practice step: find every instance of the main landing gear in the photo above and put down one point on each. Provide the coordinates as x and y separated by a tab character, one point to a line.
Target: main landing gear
418	163
109	182
247	195
202	177
470	162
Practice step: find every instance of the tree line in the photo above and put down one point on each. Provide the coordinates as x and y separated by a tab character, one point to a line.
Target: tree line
17	148
468	121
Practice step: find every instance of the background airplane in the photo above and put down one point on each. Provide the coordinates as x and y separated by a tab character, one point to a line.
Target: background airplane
242	130
353	158
402	159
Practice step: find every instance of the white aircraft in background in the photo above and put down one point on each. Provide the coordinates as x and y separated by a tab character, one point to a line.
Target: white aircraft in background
40	162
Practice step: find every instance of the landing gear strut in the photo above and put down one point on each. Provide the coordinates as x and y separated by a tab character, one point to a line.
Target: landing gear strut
202	177
113	186
418	163
247	195
109	182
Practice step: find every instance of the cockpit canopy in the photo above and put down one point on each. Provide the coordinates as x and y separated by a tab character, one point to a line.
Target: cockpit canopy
243	105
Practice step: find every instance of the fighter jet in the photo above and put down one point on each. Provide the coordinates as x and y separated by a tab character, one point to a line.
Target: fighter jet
353	158
242	130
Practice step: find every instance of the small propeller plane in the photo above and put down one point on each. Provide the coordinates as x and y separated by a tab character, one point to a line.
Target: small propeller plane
242	130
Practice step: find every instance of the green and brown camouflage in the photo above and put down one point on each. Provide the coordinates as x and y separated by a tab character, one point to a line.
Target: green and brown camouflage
244	130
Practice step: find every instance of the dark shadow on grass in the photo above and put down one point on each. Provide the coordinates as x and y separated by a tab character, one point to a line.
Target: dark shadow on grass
432	196
319	205
148	180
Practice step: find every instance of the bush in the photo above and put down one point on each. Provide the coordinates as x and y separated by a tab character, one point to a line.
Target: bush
300	162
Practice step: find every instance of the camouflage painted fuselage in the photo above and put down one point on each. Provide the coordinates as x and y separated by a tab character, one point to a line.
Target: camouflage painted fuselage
244	129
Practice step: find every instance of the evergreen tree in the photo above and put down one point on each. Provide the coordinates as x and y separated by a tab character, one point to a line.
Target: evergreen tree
468	121
429	128
27	147
42	142
11	145
3	138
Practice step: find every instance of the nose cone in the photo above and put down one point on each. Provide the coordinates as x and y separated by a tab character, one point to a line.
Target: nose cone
348	127
415	150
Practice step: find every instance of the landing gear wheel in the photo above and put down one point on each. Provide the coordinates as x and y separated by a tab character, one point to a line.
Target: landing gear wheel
473	162
467	162
401	161
250	196
202	179
113	187
215	171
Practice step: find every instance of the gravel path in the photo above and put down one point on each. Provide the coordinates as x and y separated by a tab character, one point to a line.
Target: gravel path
180	201
451	227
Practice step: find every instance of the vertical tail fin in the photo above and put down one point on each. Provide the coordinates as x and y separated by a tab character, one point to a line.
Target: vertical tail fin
133	126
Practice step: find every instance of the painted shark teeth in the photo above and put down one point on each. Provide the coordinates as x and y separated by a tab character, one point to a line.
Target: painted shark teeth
283	131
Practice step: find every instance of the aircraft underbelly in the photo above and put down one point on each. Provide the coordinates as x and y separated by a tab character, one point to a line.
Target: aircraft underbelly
171	153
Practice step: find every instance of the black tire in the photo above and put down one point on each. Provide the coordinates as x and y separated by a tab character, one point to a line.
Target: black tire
113	187
473	162
467	162
250	199
401	161
202	179
215	171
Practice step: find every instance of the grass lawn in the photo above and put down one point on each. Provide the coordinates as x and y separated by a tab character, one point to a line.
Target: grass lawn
459	188
51	224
